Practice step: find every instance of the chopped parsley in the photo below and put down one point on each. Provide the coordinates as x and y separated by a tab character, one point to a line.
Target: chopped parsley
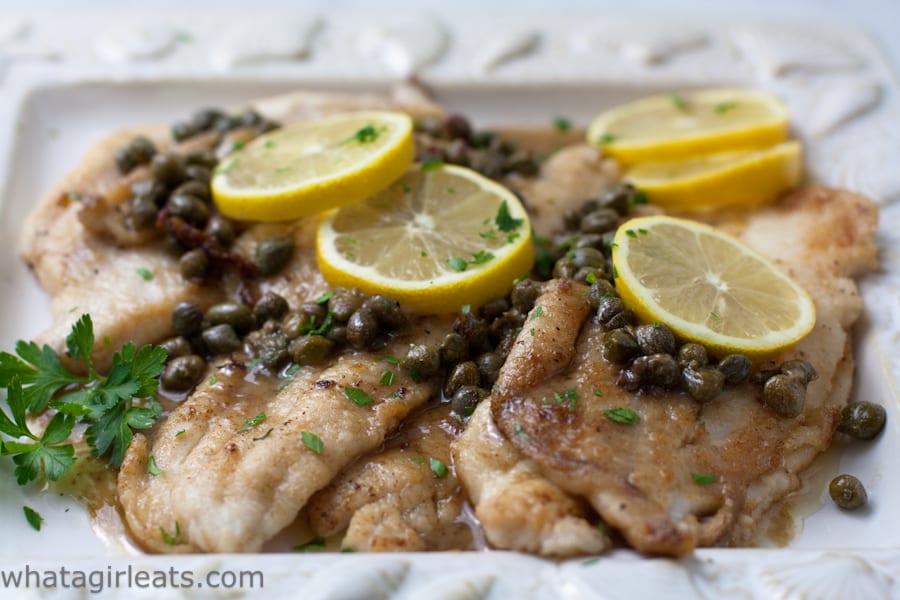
289	373
606	139
357	396
391	359
538	311
312	441
314	545
714	315
723	107
146	274
152	469
171	540
630	233
365	135
520	433
598	393
33	517
624	416
704	478
431	165
466	309
504	221
387	378
213	379
250	423
417	459
310	327
457	264
562	123
680	103
325	297
481	257
570	396
438	468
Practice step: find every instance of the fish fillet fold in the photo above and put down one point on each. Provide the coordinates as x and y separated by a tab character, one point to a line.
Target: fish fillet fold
641	478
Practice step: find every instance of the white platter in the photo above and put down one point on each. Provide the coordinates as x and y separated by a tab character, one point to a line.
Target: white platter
61	96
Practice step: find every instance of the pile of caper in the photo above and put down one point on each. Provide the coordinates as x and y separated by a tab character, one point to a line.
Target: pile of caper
213	119
451	139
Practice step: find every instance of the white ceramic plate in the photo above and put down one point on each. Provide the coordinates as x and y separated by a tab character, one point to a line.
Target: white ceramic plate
845	102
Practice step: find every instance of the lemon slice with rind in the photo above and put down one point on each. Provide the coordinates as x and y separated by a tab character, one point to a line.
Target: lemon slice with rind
708	287
675	126
725	179
438	238
313	166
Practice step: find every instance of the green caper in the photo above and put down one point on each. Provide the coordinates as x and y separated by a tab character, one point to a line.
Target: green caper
599	221
226	123
235	314
489	365
495	308
587	257
800	370
564	267
464	373
141	149
703	384
182	130
362	328
692	355
421	361
183	373
456	127
655	339
125	161
194	264
143	211
609	307
454	349
190	208
337	334
571	219
656	369
736	368
608	239
313	311
506	324
168	169
195	189
187	319
250	118
589	240
270	306
524	294
221	230
785	395
599	290
387	311
221	339
198	173
620	346
847	492
151	189
292	325
176	346
344	302
204	118
475	331
622	319
618	198
466	399
273	253
310	349
272	351
862	420
204	158
523	163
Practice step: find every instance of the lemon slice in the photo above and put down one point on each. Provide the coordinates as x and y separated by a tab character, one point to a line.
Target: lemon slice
747	178
674	126
313	166
437	239
708	287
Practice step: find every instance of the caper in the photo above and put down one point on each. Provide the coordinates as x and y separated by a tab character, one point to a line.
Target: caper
609	307
387	311
204	158
273	253
198	174
523	163
619	198
599	290
564	267
176	346
466	399
457	153
620	346
168	169
495	308
187	319
847	492
800	370
464	373
141	149
692	355
607	241
151	189
221	339
193	264
589	240
125	161
235	314
587	257
362	328
702	384
655	339
736	368
599	221
344	302
195	189
337	334
656	369
785	395
475	331
313	312
204	118
226	123
454	349
266	126
524	295
143	211
292	325
270	306
456	126
489	365
506	324
310	349
190	208
421	361
862	420
272	351
182	130
623	319
571	219
483	138
220	229
183	373
250	118
589	274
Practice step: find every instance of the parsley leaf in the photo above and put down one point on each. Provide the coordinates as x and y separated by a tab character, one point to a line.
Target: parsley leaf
357	396
457	264
562	123
624	416
314	545
312	441
33	517
250	423
504	221
38	370
146	274
151	466
481	257
171	540
438	468
704	478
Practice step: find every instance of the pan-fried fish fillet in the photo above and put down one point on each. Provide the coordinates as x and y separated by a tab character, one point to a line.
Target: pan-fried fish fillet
393	500
85	272
229	490
640	478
